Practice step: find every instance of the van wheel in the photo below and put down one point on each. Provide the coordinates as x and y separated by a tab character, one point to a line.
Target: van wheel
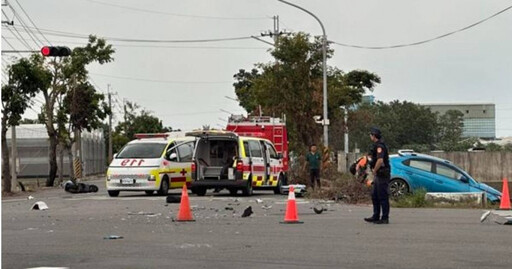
200	191
277	189
233	192
164	186
149	192
113	193
247	190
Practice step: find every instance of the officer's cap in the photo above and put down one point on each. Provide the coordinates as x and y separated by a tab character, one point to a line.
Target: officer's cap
376	132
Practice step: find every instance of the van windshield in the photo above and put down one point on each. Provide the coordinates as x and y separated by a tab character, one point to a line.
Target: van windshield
142	150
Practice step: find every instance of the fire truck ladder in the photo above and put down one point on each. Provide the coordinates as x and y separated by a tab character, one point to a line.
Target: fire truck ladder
278	133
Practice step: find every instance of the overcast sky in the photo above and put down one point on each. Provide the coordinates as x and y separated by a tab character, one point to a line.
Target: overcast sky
185	84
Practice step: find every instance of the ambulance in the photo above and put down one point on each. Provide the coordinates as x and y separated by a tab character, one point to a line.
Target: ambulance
151	162
224	159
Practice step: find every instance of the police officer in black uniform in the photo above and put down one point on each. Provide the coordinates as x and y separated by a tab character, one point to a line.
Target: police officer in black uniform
382	174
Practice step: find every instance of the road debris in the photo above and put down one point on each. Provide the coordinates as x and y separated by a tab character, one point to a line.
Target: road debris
266	207
173	199
30	197
39	206
71	187
229	208
497	217
259	201
142	213
247	212
318	209
113	237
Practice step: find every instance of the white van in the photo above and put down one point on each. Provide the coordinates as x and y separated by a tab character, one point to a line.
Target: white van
152	162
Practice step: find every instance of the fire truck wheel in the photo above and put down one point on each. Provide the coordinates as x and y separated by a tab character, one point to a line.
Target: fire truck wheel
200	191
164	186
277	189
247	190
113	193
149	192
233	192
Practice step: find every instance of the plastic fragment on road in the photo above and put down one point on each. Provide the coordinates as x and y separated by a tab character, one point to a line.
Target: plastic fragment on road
113	237
30	197
247	212
497	217
39	206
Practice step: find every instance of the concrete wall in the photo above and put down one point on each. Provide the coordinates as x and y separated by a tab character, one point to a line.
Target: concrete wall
483	166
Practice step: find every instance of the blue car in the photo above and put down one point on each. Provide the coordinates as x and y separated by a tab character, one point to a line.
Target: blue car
410	171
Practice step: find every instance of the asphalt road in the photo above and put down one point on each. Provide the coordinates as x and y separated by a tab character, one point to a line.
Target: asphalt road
71	234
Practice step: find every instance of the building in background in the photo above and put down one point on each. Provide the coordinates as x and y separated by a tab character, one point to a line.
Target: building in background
479	119
32	145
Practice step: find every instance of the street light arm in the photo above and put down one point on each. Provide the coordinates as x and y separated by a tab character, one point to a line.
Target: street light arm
307	11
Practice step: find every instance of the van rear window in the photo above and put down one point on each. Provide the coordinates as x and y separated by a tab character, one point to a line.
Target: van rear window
142	150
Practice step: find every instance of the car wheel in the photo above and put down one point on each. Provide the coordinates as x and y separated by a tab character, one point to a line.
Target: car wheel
247	190
164	186
277	189
113	193
398	188
200	191
149	192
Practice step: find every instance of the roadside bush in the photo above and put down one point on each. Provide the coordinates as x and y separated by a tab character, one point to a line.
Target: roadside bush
416	199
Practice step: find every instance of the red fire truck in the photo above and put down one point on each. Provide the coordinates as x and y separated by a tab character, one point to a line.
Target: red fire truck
273	129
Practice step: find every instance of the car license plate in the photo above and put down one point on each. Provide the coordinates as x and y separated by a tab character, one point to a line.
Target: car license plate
127	181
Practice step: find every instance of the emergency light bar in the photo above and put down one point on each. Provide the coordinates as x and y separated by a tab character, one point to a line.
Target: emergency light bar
155	135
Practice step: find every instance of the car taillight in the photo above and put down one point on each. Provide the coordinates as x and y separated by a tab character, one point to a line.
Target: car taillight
240	166
193	167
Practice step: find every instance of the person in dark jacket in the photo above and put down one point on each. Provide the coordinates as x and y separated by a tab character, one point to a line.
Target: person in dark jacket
313	158
381	170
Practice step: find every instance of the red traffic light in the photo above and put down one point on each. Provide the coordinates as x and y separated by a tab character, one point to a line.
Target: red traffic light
45	51
55	51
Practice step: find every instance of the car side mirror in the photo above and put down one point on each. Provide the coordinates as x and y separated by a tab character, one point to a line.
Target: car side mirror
464	179
114	156
279	156
173	157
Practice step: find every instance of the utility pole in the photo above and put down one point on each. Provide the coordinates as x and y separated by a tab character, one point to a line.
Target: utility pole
273	33
125	117
324	67
14	153
109	124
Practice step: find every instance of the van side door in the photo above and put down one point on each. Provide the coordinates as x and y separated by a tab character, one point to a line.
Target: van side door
257	163
274	164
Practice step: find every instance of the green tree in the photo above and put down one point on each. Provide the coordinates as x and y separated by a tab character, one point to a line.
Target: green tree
403	124
292	85
493	147
137	121
68	74
26	79
450	130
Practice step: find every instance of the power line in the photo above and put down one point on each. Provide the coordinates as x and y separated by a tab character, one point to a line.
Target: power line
20	38
175	14
10	45
31	21
118	39
163	81
170	47
427	40
25	27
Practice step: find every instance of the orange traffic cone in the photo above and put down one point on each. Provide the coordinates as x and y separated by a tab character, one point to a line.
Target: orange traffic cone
505	197
290	216
184	214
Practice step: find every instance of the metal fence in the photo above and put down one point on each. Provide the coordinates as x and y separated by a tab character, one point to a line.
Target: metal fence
33	147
